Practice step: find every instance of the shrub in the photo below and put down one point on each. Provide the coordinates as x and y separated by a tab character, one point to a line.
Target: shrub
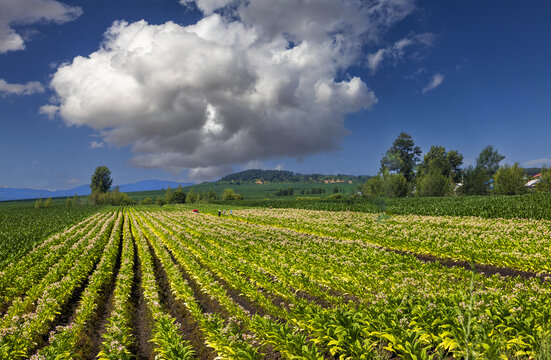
146	201
229	194
510	180
395	185
475	181
434	183
544	185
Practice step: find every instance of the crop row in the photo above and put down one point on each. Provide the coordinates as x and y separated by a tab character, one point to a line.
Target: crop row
182	285
513	243
399	303
23	227
31	315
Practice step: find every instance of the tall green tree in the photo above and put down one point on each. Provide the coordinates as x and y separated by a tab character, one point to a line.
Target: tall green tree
179	196
476	180
101	180
448	163
438	172
168	195
489	160
402	157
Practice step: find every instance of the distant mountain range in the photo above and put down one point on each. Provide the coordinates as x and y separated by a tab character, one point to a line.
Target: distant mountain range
145	185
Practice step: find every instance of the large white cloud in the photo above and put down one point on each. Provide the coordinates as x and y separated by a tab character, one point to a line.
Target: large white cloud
24	12
265	79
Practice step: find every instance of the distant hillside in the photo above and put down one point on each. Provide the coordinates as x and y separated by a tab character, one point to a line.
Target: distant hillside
280	176
22	193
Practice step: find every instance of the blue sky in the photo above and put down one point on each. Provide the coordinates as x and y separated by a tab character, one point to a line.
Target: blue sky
200	89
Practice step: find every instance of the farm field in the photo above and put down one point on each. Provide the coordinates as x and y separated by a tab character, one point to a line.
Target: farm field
22	226
169	283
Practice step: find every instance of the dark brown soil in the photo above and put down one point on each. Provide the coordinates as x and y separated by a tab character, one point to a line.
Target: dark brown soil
235	294
311	298
207	304
478	268
189	328
141	321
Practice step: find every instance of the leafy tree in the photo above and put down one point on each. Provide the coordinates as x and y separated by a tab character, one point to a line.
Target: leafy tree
447	163
373	187
402	157
385	184
230	194
211	195
69	201
509	180
179	196
160	201
434	183
489	160
39	204
475	181
48	202
395	185
101	180
191	196
544	185
168	195
146	201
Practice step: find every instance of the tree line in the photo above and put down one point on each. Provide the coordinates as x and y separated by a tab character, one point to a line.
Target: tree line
439	173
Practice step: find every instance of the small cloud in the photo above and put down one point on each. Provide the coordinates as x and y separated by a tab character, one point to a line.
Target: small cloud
208	173
397	51
538	162
416	74
29	88
253	164
436	81
374	60
95	145
30	12
72	182
49	110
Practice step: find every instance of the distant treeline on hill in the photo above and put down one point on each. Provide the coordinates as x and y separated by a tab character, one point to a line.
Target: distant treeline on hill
275	176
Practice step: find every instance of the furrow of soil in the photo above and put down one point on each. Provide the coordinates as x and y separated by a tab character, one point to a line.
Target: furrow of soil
267	351
189	328
141	325
104	310
482	269
207	304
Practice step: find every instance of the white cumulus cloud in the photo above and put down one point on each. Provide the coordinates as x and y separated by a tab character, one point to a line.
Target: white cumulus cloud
25	12
436	81
29	88
264	80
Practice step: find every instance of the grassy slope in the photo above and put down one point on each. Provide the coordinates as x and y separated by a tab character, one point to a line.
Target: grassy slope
255	191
